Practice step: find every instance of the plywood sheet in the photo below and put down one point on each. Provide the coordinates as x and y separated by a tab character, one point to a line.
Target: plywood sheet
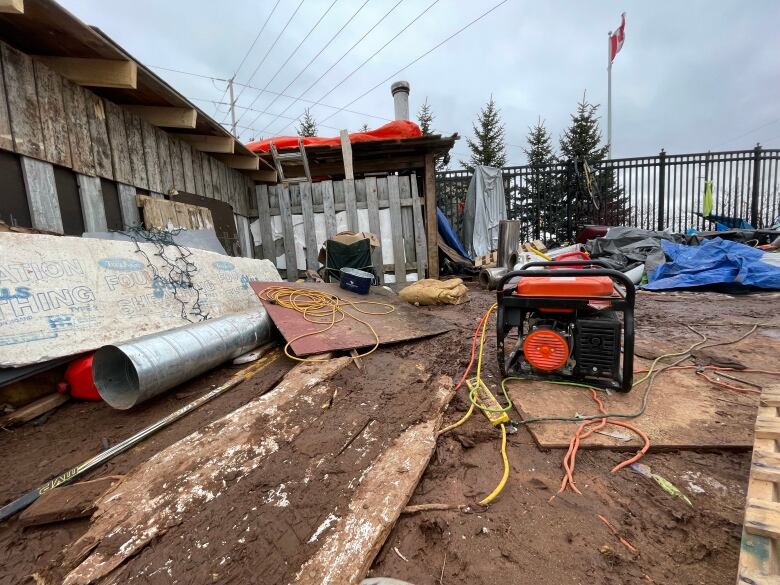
404	323
683	411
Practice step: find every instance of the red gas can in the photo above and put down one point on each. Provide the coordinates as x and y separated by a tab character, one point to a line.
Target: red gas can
78	380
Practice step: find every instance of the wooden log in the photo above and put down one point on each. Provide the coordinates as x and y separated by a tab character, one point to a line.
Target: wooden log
34	410
22	98
230	443
68	502
53	119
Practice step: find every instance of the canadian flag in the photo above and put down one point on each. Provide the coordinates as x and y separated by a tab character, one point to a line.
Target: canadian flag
616	38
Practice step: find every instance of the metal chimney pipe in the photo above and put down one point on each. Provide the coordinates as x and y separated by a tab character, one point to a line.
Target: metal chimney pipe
129	373
400	91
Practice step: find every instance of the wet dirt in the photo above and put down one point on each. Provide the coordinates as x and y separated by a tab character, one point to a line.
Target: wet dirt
521	537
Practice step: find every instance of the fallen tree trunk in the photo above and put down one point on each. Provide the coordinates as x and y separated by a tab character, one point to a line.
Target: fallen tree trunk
158	494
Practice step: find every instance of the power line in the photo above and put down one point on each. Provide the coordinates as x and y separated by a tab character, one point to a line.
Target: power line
379	50
219	103
252	46
277	94
428	52
300	44
268	52
748	132
360	40
333	38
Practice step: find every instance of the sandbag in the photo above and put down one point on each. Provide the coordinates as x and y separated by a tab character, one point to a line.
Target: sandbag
430	291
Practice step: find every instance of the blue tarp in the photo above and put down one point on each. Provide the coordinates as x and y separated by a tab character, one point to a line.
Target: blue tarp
448	234
731	265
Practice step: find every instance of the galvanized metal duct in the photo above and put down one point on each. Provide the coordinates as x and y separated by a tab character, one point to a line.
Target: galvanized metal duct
129	373
508	242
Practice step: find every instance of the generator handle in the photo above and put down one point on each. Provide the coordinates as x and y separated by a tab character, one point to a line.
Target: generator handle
599	263
566	273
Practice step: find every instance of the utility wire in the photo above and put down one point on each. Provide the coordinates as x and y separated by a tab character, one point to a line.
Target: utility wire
748	132
428	52
333	38
268	52
360	40
201	75
283	65
218	103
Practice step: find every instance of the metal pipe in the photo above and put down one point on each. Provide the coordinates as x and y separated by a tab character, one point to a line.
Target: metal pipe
127	374
400	91
489	277
508	242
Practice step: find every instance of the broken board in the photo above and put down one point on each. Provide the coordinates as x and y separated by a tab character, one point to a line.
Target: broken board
406	322
684	410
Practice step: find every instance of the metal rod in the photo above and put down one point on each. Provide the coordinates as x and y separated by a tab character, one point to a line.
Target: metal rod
82	469
129	373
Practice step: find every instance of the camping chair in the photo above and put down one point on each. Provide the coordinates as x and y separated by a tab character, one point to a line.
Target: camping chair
338	256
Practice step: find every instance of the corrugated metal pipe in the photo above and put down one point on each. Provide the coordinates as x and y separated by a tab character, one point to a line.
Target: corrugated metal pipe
127	374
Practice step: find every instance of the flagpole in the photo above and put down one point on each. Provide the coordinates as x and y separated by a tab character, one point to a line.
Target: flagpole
609	95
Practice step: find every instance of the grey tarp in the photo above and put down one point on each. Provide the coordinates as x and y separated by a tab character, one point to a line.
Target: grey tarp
485	207
624	246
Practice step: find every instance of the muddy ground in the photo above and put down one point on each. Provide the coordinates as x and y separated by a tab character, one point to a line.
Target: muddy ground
521	537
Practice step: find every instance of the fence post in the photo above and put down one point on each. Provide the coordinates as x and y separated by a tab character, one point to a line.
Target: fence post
756	186
661	189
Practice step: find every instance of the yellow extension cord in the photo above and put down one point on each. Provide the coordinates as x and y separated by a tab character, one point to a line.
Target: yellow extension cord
474	399
321	308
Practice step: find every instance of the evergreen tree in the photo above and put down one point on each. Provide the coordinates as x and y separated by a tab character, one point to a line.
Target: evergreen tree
308	126
581	147
425	118
539	203
363	128
488	147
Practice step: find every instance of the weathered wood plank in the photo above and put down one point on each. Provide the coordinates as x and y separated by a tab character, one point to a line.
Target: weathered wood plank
81	154
290	256
163	152
135	145
762	517
54	124
117	137
22	103
34	410
128	205
92	209
67	502
329	204
767	428
350	202
98	133
374	225
431	226
151	156
177	165
266	231
224	184
6	136
407	221
189	170
42	195
216	180
197	171
310	234
346	151
397	227
208	182
421	248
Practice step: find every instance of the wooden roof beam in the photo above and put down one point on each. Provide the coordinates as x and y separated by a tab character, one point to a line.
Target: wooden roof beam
209	143
264	176
239	162
95	72
165	117
12	6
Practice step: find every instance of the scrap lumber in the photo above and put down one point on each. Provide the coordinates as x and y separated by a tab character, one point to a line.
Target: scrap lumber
132	514
356	538
34	410
759	557
68	502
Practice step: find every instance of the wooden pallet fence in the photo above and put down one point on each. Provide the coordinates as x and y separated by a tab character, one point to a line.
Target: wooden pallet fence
328	207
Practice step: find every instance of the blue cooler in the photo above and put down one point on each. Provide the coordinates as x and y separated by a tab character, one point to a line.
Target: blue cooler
354	280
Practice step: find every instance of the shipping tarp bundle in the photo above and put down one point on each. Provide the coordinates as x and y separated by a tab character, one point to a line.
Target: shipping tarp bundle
730	266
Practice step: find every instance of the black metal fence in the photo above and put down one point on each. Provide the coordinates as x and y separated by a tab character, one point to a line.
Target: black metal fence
650	192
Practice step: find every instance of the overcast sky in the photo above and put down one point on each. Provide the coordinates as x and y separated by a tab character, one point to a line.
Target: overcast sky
692	75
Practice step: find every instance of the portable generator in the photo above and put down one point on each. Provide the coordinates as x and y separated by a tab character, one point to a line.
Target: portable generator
568	323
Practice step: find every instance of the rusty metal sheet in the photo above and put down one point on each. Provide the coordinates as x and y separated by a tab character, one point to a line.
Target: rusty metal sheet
404	323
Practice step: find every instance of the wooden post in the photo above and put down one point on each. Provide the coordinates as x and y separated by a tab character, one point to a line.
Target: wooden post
431	225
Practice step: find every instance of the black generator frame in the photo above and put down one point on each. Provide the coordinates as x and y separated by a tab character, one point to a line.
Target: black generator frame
513	309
